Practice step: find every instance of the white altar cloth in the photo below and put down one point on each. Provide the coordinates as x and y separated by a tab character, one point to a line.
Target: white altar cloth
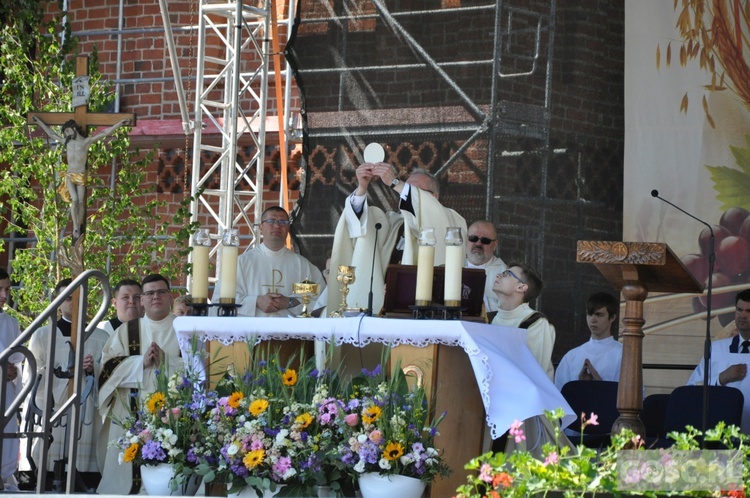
512	384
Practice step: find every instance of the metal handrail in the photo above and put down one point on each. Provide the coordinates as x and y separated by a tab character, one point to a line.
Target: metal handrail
70	406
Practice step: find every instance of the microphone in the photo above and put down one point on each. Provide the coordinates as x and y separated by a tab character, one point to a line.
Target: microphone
709	292
378	226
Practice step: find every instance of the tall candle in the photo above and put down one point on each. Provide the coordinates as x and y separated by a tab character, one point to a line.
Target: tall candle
454	262
425	266
201	250
229	250
425	271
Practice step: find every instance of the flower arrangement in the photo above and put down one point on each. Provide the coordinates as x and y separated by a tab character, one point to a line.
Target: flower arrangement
386	428
165	427
268	427
588	472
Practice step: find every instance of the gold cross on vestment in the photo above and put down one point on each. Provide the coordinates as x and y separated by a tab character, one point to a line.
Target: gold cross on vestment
276	282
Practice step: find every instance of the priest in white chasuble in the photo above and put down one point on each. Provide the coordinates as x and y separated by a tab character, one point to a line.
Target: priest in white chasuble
130	361
266	273
354	239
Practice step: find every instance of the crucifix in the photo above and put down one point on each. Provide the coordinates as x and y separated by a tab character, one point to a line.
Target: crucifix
74	136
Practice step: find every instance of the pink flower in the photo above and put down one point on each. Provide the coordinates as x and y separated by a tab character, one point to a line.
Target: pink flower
485	472
594	419
176	411
376	436
352	419
516	431
552	458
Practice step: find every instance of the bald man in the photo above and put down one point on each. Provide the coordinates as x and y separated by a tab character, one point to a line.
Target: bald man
481	244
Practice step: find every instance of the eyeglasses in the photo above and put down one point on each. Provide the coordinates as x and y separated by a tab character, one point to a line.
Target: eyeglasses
509	273
484	240
281	223
159	292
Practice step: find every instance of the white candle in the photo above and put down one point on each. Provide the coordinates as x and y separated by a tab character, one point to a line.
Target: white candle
425	270
200	272
228	272
454	261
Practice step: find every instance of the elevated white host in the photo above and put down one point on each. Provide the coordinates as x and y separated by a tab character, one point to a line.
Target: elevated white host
374	153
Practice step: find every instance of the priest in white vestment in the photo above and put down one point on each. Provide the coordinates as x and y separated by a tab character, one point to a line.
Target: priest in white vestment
480	254
130	360
266	273
354	239
9	331
90	424
730	358
601	357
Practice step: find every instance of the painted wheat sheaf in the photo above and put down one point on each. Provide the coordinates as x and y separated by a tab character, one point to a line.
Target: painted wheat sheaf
620	252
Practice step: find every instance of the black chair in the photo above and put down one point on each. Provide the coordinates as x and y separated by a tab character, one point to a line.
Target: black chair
685	407
591	396
653	414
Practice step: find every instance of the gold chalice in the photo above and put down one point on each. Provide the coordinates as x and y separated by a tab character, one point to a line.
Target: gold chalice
345	277
305	290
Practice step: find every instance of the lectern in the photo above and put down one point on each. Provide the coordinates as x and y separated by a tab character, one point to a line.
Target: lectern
635	268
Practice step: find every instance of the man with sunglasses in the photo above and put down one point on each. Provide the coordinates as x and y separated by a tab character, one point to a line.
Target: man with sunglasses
480	254
266	273
397	238
130	361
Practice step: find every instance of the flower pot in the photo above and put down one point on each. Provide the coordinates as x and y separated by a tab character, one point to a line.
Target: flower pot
374	485
251	492
156	479
325	492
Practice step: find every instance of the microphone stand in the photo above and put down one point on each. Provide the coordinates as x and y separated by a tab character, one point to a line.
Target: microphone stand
709	293
378	226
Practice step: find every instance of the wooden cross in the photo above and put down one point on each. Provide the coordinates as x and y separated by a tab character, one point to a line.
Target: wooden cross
82	117
84	120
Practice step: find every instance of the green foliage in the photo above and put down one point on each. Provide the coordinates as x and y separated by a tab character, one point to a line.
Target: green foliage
124	233
733	185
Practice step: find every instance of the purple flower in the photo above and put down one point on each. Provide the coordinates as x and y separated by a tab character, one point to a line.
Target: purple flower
374	373
281	466
152	451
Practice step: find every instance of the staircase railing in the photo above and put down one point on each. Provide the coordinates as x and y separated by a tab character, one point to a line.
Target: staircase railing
69	407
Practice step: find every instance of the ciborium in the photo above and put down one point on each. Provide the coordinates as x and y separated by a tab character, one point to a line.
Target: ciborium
345	277
305	290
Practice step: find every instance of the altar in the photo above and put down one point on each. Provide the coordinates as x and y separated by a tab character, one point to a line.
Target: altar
511	384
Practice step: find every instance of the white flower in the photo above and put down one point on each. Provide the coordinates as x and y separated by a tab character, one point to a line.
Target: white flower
432	452
430	462
407	459
384	464
362	438
290	472
120	458
281	436
360	467
133	439
233	449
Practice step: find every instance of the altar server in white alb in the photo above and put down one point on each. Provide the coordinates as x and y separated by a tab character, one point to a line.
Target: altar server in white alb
516	287
397	238
601	357
266	273
9	331
130	361
730	358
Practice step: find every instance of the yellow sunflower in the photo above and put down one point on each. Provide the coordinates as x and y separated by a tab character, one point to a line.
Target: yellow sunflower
258	406
305	419
290	377
254	458
393	451
131	453
155	402
234	399
371	414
